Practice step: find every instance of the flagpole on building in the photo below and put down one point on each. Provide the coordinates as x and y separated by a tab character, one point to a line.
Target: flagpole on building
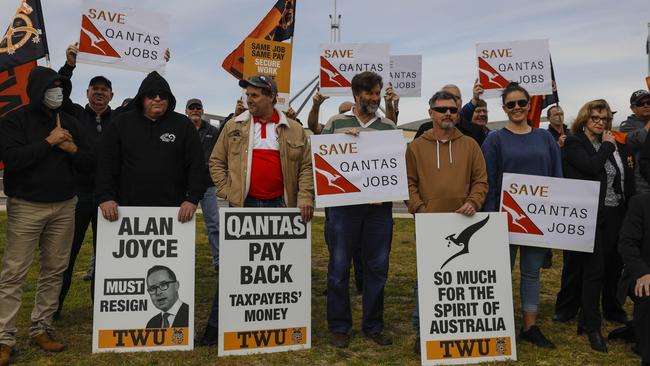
335	37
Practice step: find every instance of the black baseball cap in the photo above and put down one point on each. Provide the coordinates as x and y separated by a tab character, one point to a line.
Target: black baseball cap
101	80
260	81
638	95
194	101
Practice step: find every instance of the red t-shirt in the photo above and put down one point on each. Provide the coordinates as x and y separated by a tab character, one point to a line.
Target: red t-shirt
266	168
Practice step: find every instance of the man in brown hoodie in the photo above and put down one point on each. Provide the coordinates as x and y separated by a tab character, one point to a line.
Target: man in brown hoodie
445	170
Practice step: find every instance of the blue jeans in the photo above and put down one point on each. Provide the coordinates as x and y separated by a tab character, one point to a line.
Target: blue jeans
530	262
369	227
213	320
210	210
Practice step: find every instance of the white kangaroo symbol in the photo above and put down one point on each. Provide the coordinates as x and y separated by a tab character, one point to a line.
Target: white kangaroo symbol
93	39
515	217
330	178
331	74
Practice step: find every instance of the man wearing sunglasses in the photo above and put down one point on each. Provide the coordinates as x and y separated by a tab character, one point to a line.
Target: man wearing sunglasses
454	179
636	126
163	286
151	156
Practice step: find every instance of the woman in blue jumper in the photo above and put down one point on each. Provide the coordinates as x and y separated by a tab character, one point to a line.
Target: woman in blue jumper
519	148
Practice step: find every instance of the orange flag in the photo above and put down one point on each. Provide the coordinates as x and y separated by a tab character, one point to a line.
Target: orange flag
277	25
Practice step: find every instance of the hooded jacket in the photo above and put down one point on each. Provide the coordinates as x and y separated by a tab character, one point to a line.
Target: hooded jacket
34	170
444	175
150	163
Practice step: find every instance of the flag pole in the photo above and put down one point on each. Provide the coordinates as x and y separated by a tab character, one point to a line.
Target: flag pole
43	35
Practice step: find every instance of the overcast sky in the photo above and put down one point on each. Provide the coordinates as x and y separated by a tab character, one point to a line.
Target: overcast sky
597	45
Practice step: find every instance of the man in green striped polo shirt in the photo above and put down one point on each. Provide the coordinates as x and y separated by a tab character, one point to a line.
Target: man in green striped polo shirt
369	226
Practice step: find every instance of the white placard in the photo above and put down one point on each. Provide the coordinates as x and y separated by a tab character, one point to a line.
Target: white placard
339	62
464	289
121	36
144	269
550	212
264	281
406	75
525	62
352	170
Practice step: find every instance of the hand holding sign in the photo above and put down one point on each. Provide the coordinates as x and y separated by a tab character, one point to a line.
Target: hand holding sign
71	54
109	210
186	212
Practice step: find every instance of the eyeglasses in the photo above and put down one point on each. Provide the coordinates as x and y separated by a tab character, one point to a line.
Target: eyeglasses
153	94
521	103
443	110
642	103
195	107
163	286
598	119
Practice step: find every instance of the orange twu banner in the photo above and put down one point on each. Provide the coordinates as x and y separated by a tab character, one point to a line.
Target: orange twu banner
150	337
277	25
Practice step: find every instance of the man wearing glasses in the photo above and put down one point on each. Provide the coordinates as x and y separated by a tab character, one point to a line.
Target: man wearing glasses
454	179
162	286
636	126
150	156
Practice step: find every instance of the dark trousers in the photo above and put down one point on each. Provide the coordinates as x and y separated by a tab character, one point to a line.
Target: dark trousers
85	214
371	228
612	307
641	319
567	302
357	260
594	270
213	320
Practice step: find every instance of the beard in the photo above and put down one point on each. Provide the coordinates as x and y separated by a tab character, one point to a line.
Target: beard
446	125
367	108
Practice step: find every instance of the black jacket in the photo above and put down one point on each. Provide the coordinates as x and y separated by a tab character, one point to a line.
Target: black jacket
555	134
181	320
88	119
582	161
34	170
634	243
150	163
209	136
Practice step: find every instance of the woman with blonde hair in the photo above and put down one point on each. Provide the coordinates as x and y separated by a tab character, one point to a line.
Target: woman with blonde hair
592	153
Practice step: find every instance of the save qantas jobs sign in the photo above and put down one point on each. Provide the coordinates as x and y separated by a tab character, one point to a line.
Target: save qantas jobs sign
339	62
118	36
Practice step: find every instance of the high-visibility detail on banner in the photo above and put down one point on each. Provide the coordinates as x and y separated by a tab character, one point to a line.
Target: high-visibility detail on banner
467	348
265	338
147	337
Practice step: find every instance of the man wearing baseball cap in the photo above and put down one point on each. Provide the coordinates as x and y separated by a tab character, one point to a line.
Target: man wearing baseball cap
636	126
262	159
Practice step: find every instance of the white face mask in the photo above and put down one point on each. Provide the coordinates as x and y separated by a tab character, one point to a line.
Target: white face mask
53	98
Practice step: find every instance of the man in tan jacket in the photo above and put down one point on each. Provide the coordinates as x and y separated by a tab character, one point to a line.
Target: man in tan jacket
445	170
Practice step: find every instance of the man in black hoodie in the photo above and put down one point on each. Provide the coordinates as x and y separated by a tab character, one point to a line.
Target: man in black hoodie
41	147
150	156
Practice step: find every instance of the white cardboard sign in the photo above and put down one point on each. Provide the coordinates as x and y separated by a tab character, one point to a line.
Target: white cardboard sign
339	62
464	289
406	75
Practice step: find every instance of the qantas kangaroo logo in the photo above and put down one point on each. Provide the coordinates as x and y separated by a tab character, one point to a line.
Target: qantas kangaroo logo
462	240
330	181
330	77
489	77
92	40
518	221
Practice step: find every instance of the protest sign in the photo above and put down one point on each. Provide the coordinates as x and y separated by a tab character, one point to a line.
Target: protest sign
550	212
525	62
272	59
339	62
464	288
119	36
406	75
351	170
264	281
144	282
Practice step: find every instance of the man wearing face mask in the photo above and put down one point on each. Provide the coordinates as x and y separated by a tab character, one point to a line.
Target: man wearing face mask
150	156
42	146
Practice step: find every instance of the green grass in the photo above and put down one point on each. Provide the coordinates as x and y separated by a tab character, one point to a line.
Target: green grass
75	326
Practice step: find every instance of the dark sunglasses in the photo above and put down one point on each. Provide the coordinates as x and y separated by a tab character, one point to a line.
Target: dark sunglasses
521	103
452	110
153	94
195	107
643	103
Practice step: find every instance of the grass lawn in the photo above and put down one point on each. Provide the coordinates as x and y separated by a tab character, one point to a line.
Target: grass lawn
75	326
